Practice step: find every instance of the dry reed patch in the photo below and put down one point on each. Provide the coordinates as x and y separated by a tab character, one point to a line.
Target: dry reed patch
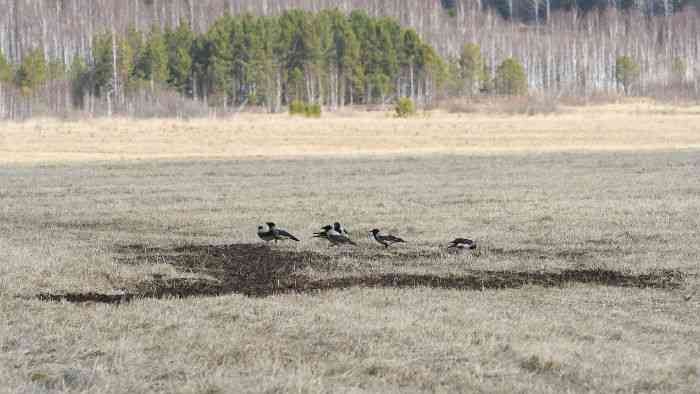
601	128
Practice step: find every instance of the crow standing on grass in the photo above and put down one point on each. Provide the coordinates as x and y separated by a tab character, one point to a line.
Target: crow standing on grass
274	234
324	232
386	240
325	229
338	236
339	228
462	243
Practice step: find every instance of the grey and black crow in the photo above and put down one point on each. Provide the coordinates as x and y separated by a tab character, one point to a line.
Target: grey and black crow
386	240
324	232
274	234
463	243
338	236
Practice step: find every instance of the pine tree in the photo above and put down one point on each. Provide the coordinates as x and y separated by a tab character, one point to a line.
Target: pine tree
510	78
450	6
102	65
351	70
80	82
134	41
432	72
343	54
179	44
410	53
153	64
32	72
295	85
363	29
678	70
626	72
266	65
5	69
472	68
387	67
454	84
301	49
55	70
245	44
215	55
126	63
201	66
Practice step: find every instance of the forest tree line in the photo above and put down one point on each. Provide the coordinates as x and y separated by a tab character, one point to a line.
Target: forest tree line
184	56
327	58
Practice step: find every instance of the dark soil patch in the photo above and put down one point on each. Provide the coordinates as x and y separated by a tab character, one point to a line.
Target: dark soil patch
575	255
482	280
259	270
87	297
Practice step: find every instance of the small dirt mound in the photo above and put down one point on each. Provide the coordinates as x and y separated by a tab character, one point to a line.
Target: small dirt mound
260	270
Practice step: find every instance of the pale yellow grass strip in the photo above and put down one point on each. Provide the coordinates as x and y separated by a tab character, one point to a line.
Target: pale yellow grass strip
605	128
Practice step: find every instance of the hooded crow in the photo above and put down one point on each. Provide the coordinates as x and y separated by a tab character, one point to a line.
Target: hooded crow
386	240
462	243
274	234
338	227
324	232
338	236
265	235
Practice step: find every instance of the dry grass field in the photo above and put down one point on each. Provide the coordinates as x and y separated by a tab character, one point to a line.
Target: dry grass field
130	261
623	127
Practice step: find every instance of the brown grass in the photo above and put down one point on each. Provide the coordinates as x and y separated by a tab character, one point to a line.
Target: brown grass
504	105
122	227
